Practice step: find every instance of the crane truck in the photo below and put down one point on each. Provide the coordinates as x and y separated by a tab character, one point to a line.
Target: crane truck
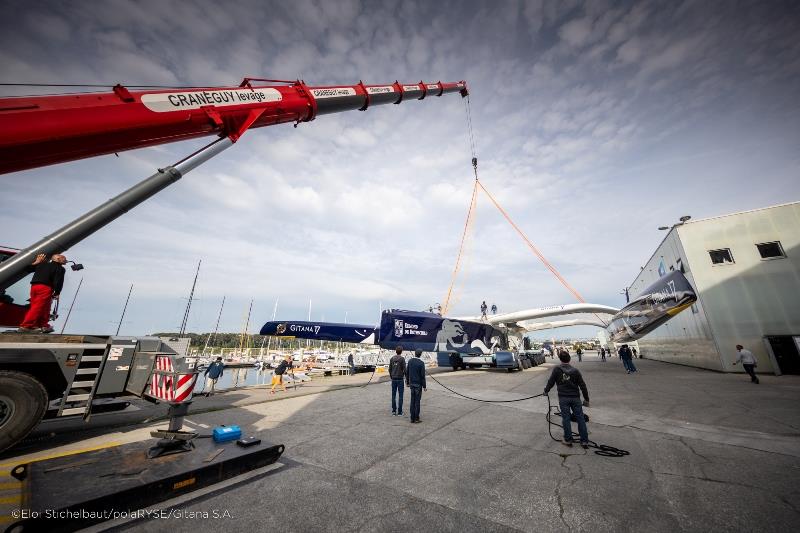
43	376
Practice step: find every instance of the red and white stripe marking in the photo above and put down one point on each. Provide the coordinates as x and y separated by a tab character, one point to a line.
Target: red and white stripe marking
170	387
183	391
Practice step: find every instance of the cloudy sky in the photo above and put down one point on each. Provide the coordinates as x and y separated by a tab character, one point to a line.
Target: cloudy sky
595	123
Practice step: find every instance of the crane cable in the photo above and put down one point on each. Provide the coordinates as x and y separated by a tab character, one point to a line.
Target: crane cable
472	204
467	224
534	249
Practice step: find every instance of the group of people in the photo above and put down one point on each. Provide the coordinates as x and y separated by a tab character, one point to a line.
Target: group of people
485	309
570	386
435	309
567	379
216	370
411	375
402	374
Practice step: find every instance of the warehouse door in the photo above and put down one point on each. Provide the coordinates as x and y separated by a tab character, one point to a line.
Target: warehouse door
787	353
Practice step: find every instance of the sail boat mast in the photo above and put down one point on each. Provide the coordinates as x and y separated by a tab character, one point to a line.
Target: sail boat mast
216	328
274	312
243	337
191	297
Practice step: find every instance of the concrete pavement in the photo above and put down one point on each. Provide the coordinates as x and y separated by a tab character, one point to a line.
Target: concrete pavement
709	451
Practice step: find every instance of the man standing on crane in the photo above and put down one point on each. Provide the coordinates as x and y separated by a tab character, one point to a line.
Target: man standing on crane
46	285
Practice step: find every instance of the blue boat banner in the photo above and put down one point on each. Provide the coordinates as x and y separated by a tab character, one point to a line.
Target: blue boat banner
321	331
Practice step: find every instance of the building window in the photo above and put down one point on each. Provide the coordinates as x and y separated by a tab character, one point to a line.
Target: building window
770	250
721	257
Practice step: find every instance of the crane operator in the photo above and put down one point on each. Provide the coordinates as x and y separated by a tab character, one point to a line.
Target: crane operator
46	285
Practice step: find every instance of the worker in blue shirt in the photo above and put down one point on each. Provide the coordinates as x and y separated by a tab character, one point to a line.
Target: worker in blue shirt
415	379
214	372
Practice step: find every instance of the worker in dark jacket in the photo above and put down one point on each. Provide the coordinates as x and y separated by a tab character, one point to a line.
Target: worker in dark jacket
415	378
570	385
397	371
277	374
46	285
214	371
626	356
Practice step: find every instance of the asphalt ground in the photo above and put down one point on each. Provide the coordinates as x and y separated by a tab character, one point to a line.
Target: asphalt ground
708	452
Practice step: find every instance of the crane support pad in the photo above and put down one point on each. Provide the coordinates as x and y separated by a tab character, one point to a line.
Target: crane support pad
76	491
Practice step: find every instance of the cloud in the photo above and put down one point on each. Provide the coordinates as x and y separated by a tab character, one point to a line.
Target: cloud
576	32
582	112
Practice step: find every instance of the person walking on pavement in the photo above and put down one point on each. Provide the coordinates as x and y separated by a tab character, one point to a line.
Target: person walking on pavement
415	379
579	351
570	386
397	371
603	354
351	363
635	354
280	370
627	358
46	285
214	372
748	361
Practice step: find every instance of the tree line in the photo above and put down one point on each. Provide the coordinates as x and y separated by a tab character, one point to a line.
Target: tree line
234	340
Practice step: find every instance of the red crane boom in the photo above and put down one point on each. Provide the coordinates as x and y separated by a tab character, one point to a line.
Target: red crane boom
44	130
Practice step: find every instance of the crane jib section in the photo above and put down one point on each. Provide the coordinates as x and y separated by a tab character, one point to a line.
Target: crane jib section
43	130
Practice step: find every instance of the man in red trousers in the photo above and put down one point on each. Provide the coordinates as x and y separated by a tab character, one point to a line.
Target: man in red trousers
46	284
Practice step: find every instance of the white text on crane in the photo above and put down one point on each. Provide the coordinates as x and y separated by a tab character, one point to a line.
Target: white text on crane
161	102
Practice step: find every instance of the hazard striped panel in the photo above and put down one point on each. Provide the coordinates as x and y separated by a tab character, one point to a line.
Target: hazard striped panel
168	385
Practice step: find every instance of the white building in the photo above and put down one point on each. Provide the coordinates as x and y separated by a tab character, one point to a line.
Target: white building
745	268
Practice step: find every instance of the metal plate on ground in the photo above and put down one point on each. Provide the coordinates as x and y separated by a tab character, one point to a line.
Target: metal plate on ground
73	492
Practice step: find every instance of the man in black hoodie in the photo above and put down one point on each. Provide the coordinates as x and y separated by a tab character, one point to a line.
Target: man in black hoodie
46	285
397	371
570	385
626	356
